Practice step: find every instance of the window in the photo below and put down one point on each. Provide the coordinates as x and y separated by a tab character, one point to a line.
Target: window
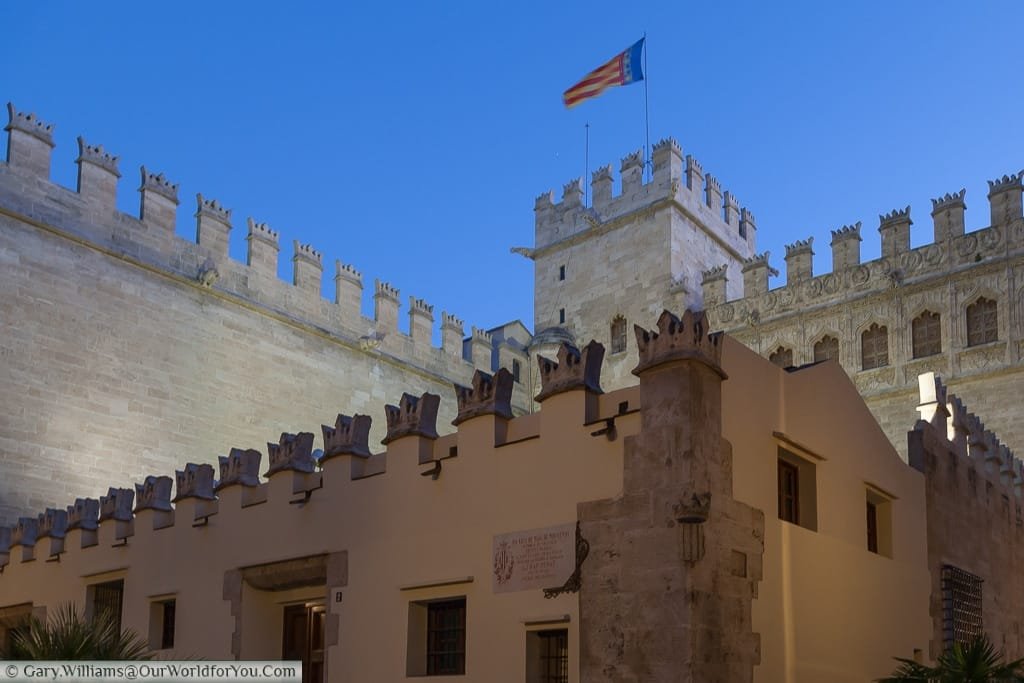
982	322
797	490
618	334
161	624
782	357
547	656
561	316
961	606
561	272
826	349
446	637
874	347
437	637
878	522
789	492
516	370
105	597
926	335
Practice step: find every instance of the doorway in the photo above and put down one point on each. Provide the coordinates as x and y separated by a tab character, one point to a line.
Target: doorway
303	639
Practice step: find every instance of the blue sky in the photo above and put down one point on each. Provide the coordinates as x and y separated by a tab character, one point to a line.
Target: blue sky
410	139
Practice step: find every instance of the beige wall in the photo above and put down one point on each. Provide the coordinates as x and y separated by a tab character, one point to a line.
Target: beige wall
400	529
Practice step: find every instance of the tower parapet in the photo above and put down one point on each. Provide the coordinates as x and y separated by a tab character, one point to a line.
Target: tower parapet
29	142
948	215
895	230
213	226
159	206
421	321
846	247
1004	196
451	334
755	274
97	174
799	265
307	268
385	306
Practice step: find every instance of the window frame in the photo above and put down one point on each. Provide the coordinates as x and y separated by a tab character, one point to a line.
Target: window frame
877	355
445	640
820	346
540	659
780	354
619	338
922	329
981	319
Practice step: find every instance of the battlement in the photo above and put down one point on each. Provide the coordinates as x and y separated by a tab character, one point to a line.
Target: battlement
898	265
698	195
89	213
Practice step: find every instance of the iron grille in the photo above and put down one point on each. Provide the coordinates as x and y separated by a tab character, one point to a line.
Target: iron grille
961	606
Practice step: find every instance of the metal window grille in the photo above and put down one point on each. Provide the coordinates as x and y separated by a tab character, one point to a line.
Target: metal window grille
782	357
446	637
961	606
874	347
108	597
554	656
619	335
926	335
982	322
826	349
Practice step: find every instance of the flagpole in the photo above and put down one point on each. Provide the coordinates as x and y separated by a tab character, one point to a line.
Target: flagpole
586	167
647	117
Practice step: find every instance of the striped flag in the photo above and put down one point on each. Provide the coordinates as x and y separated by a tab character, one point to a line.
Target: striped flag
622	69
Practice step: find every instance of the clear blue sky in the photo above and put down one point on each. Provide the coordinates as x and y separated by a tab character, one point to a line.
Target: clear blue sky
411	139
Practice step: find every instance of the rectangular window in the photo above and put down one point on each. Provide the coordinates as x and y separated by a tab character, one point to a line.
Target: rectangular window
436	638
107	597
162	615
789	492
547	655
872	527
797	490
561	316
878	521
446	637
961	606
561	272
516	371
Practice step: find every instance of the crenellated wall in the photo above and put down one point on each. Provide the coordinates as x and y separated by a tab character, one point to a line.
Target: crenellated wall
973	489
944	276
635	252
113	327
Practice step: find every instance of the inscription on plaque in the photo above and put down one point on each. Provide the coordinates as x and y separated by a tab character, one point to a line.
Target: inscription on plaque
536	558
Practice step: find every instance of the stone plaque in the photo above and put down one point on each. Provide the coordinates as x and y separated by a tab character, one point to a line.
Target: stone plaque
536	558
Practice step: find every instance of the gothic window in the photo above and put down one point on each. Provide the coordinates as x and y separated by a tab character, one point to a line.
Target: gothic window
982	322
826	349
782	357
874	347
618	334
926	335
517	371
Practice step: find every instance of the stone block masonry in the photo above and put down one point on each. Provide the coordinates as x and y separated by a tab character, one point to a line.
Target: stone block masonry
126	349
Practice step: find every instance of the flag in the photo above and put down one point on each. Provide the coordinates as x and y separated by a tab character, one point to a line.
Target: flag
622	69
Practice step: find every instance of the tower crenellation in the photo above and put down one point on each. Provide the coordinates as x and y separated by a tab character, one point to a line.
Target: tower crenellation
713	194
421	321
799	261
213	226
667	161
1004	195
601	186
894	228
632	172
263	248
29	142
846	247
451	334
948	215
385	306
97	174
756	272
481	348
159	203
307	268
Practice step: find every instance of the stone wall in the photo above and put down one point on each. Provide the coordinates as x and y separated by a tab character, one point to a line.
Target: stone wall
126	349
973	487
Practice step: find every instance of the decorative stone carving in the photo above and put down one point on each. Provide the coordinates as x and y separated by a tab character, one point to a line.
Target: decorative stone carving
154	494
692	508
117	505
96	155
239	468
84	514
574	370
349	436
679	339
195	481
29	123
412	417
211	208
293	452
158	184
489	395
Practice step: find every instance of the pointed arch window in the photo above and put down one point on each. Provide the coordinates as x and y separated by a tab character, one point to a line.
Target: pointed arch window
982	322
926	334
874	347
826	349
782	357
618	334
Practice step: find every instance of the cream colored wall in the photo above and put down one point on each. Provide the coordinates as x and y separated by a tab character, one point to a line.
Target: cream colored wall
827	608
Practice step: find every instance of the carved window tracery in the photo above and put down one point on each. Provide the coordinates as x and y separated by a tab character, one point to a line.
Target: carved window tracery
926	334
826	349
874	347
982	322
618	334
782	357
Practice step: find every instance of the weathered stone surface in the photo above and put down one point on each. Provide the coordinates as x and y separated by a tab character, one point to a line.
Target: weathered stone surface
412	417
349	436
195	481
117	505
239	468
489	395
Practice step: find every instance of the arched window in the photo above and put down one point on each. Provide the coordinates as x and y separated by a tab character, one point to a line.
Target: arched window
618	334
826	349
516	370
982	322
782	357
874	347
926	335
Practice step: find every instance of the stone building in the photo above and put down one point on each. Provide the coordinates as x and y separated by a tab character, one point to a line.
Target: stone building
705	524
954	306
126	348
